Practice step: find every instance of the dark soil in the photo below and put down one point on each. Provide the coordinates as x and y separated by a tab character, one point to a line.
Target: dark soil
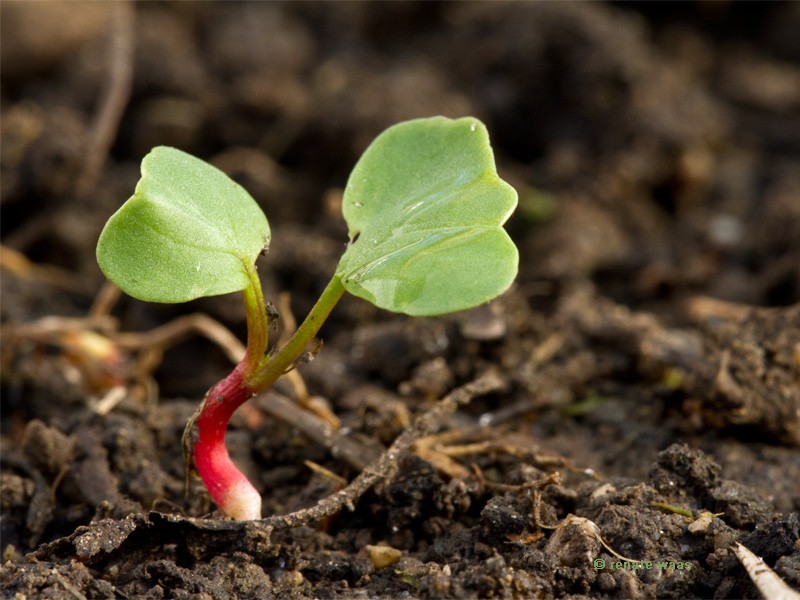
646	363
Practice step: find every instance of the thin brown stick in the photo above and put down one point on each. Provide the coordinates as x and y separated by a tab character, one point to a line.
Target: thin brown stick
105	300
180	328
118	91
529	487
18	264
318	430
385	467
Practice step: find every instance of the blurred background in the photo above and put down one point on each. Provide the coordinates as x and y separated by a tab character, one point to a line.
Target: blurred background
655	147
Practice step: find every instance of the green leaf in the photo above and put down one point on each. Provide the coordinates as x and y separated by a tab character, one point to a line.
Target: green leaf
188	231
425	209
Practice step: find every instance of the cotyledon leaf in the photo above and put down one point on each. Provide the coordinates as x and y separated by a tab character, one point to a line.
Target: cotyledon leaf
188	231
425	209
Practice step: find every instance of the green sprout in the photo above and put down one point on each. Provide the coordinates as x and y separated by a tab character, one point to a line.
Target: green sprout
425	210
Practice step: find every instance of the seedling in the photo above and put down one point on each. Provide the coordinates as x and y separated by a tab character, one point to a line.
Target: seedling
424	207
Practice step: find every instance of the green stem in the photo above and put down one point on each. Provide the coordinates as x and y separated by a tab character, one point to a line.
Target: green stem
274	366
257	326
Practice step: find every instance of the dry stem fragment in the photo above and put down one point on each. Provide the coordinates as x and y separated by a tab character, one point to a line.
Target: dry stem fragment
765	579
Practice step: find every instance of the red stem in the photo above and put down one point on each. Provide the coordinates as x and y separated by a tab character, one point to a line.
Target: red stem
228	487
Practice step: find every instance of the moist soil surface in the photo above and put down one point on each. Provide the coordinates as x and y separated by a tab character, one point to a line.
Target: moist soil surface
633	397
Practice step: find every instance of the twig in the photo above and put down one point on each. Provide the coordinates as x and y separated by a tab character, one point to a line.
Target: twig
177	329
384	467
326	473
528	487
765	579
105	300
109	115
319	431
18	264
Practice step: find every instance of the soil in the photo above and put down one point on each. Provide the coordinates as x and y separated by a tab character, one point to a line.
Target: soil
644	370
